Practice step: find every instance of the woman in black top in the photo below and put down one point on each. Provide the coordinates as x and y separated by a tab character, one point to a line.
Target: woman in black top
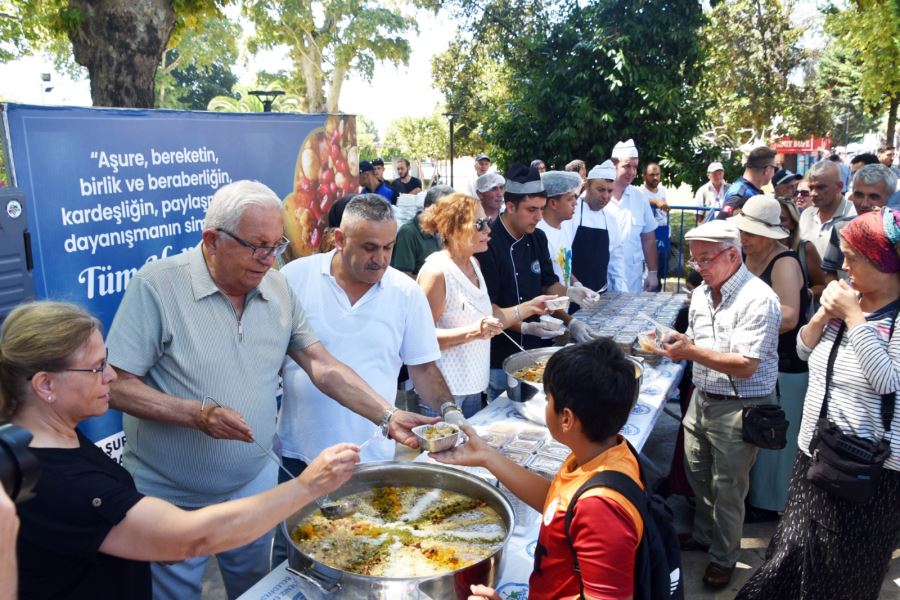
88	533
773	262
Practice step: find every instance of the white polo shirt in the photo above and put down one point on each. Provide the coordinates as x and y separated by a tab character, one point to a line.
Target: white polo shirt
812	229
389	326
634	216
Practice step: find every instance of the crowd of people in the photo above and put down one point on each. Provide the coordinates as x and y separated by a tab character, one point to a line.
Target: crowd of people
800	292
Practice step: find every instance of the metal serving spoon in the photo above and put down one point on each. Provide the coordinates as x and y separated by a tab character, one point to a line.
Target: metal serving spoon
330	510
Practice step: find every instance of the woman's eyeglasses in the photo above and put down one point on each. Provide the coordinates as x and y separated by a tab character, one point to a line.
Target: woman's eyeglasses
802	193
95	370
480	224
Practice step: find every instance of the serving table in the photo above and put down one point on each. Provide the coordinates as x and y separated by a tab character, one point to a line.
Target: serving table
659	383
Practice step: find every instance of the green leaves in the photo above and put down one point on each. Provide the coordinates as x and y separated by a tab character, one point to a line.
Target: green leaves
578	79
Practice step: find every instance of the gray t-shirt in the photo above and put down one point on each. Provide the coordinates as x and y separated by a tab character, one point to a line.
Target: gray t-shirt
179	332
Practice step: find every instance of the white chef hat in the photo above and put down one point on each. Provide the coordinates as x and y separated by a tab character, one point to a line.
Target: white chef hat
607	170
625	150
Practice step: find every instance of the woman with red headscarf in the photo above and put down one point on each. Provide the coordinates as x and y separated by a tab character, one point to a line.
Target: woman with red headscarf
827	546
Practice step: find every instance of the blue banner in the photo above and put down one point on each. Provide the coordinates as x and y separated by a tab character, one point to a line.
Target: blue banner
109	190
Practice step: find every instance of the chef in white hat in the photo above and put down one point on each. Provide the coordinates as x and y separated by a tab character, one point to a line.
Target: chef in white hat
594	231
637	226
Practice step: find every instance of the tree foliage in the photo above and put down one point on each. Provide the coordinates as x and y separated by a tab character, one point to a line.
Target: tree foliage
867	34
752	51
419	137
328	39
579	78
119	42
241	100
198	67
366	137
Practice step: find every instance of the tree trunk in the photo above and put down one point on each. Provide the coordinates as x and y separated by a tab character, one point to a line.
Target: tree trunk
334	89
121	43
311	64
892	120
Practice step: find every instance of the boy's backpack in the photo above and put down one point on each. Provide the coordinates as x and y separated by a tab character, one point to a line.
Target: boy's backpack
657	566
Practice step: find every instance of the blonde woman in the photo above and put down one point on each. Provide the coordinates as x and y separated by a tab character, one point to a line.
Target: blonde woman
458	296
88	532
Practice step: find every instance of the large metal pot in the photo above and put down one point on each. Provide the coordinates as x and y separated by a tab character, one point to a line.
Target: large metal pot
520	390
331	582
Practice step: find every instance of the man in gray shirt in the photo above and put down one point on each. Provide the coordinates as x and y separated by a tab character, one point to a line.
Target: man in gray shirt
197	344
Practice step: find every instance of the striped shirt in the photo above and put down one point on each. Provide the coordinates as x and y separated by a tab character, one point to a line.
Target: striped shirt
745	322
179	332
865	367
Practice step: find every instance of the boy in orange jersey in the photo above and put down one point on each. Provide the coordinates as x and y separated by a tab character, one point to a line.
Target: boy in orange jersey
590	391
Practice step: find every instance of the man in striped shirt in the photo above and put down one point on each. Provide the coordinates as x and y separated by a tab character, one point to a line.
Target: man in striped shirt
197	343
732	338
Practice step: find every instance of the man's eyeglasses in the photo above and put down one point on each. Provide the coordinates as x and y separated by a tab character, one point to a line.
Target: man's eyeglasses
96	370
259	252
480	224
702	263
802	193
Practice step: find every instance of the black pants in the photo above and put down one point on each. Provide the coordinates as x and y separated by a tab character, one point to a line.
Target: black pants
826	547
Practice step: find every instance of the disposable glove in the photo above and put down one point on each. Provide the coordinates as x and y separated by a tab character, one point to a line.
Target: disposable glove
542	330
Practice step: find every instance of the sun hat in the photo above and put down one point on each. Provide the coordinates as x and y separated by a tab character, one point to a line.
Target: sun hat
761	215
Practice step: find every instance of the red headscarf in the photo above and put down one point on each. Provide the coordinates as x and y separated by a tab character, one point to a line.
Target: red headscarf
875	235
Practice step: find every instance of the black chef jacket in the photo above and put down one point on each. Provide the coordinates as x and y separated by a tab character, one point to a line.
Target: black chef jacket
515	271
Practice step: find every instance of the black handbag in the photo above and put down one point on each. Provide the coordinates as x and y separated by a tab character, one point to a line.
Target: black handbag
765	425
845	465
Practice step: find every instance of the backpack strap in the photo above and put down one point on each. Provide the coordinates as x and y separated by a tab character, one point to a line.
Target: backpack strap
613	480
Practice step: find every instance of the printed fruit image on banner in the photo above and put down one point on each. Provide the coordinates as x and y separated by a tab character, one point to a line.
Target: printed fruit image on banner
327	169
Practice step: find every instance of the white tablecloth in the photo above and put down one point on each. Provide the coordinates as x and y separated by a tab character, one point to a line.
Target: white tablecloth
658	385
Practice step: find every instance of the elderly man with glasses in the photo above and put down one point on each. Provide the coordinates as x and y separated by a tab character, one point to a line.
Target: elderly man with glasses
732	338
197	343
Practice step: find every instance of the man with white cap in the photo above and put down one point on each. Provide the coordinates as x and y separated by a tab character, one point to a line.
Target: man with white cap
712	193
517	268
562	188
489	190
732	338
594	231
636	223
482	164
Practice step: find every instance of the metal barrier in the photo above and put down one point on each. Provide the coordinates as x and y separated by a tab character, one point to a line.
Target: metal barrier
694	215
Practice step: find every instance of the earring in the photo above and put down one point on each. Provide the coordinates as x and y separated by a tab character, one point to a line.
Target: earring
50	398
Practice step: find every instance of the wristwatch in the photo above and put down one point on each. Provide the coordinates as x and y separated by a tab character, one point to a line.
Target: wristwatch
386	421
448	406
